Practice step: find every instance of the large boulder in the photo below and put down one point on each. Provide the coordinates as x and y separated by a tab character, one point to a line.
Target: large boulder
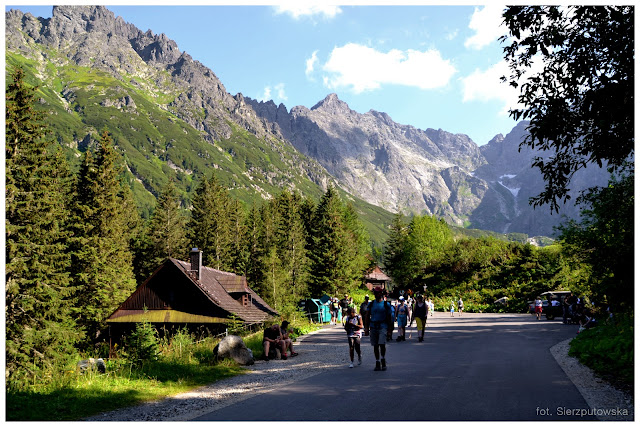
234	348
92	363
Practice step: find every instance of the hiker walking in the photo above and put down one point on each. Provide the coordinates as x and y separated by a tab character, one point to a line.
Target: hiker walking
402	313
364	310
379	317
333	306
420	312
354	326
538	307
460	307
344	305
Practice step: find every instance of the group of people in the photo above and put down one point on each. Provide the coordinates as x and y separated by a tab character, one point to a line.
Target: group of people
278	337
376	319
452	307
340	306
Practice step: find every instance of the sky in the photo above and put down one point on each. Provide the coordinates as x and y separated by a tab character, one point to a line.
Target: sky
426	66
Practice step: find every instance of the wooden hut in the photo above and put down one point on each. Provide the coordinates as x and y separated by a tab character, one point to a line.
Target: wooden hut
376	277
180	294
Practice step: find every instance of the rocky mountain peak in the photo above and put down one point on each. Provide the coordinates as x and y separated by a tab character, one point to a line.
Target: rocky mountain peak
332	104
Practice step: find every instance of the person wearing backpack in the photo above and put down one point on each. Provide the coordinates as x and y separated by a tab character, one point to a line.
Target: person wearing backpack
420	313
379	316
344	305
402	313
364	310
333	307
353	325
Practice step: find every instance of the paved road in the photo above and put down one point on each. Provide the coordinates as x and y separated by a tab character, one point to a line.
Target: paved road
477	367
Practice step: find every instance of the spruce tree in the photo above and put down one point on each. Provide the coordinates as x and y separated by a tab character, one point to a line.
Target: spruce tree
253	267
359	247
40	330
210	227
396	251
105	221
329	254
291	248
238	225
167	229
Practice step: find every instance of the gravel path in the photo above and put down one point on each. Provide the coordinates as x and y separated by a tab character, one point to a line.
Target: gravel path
261	377
316	358
601	396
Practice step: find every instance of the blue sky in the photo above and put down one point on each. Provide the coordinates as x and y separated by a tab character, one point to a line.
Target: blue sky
426	66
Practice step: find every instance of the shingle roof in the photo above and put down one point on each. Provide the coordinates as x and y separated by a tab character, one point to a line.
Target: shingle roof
377	274
211	283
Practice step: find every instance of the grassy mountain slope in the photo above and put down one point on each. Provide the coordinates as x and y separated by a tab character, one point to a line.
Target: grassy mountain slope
157	146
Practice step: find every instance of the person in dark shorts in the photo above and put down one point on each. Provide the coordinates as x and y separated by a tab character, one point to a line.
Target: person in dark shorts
354	326
273	339
420	312
344	305
288	342
364	310
379	315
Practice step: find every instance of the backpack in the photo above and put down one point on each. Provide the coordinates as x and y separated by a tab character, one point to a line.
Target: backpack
387	308
348	326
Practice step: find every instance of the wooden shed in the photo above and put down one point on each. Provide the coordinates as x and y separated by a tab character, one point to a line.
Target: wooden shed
180	294
376	277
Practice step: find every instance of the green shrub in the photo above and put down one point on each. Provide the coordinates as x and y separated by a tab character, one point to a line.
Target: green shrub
142	345
607	349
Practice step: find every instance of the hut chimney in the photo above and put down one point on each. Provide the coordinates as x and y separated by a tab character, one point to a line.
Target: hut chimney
196	262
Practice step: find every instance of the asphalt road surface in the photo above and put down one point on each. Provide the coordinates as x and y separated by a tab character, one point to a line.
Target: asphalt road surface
477	367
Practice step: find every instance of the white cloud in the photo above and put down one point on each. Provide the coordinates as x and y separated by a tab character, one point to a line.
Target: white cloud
311	63
485	85
451	35
281	95
299	9
363	68
267	93
488	27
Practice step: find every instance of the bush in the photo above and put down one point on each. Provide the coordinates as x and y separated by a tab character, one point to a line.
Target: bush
607	349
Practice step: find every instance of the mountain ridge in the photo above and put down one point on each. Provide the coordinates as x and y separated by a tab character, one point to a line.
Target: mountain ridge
260	146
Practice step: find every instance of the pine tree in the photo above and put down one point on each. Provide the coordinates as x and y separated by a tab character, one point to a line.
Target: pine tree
253	268
329	254
105	221
238	251
167	228
359	247
291	245
210	227
40	330
396	251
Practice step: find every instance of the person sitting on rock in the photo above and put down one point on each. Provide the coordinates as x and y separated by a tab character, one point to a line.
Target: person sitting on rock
288	342
273	339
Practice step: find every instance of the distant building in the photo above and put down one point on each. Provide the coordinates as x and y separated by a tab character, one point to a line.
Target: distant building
180	294
376	277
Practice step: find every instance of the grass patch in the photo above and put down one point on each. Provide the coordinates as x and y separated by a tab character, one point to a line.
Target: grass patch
608	350
146	368
85	395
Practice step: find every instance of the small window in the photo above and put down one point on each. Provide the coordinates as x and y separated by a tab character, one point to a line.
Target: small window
246	300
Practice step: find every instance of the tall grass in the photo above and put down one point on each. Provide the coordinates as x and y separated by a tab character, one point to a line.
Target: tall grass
68	394
608	349
181	363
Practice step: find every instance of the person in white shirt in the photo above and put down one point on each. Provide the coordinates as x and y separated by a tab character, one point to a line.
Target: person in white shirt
354	326
538	307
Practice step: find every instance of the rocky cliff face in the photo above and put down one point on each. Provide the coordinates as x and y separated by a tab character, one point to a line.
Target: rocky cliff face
394	166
